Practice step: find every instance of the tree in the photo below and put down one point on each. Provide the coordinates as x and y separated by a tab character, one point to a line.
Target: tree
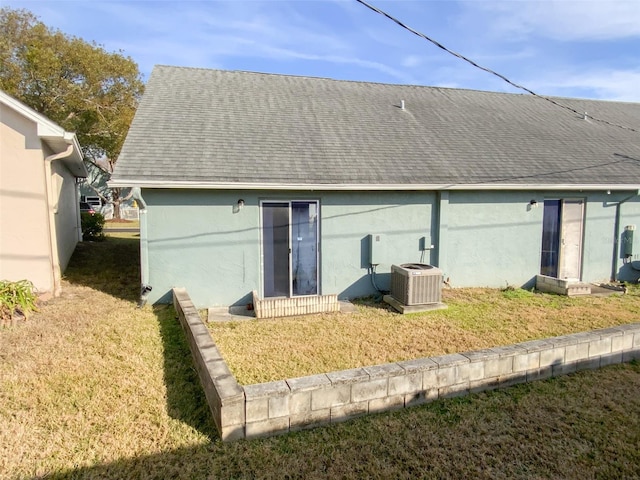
77	84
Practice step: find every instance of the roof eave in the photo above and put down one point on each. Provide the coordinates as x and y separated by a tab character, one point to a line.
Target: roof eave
367	187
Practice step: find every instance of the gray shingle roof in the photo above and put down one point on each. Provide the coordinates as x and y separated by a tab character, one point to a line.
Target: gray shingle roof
211	127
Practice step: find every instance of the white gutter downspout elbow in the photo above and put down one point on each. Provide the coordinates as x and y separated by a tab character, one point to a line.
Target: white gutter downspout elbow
52	209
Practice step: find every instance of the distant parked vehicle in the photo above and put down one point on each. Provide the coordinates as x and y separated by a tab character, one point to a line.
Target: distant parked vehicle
86	208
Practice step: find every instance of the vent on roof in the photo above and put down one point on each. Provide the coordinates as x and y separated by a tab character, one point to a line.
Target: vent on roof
402	104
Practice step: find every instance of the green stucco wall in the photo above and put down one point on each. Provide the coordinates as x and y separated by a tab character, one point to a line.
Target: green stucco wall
200	240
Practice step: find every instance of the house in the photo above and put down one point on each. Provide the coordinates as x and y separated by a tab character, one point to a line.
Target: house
288	186
40	164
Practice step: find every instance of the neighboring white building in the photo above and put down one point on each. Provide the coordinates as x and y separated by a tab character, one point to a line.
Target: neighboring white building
39	211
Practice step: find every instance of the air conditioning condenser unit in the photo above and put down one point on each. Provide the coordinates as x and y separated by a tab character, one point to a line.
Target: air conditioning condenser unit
416	283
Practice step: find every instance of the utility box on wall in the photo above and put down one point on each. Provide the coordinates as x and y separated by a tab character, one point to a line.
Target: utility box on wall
377	249
627	241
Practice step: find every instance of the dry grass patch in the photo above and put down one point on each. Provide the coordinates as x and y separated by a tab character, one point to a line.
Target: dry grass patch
267	350
90	378
93	388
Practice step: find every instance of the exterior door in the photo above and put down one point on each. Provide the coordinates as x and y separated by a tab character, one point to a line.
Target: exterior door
562	232
290	248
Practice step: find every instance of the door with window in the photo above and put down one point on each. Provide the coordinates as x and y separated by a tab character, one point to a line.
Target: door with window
562	233
289	248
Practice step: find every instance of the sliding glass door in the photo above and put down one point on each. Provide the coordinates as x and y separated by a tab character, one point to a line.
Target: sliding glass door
290	248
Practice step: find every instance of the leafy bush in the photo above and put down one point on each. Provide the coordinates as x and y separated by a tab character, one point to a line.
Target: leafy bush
16	298
92	226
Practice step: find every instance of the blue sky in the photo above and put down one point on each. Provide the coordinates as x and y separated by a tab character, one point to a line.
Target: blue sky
573	48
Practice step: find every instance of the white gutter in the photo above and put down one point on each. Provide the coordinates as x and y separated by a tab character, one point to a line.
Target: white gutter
363	187
52	209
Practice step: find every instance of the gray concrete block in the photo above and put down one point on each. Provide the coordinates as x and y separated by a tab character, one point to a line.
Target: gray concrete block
636	340
300	403
576	352
535	345
563	368
311	382
393	402
609	332
278	388
404	384
279	406
346	412
446	376
418	365
552	356
384	371
348	376
330	397
588	364
622	342
232	414
257	410
633	354
512	379
630	327
599	347
526	361
475	371
587	337
509	350
450	360
541	373
498	366
481	355
562	341
267	427
610	359
369	390
228	390
310	419
463	373
232	433
419	398
430	379
453	390
489	383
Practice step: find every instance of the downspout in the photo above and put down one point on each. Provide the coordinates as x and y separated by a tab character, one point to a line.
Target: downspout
144	247
442	228
52	209
616	240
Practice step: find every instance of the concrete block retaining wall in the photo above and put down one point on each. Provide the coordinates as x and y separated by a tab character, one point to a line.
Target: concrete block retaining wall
298	403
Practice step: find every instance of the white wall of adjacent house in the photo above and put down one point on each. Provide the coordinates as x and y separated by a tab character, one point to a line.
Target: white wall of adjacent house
25	239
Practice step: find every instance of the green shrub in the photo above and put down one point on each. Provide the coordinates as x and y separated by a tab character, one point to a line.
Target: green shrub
92	226
16	297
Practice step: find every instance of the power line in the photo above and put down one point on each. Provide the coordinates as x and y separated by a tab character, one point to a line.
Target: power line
488	70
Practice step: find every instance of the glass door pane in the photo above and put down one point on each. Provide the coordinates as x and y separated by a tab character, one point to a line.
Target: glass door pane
550	238
304	252
275	248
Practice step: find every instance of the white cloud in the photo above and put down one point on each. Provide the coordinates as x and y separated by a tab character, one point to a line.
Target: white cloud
618	85
563	19
411	61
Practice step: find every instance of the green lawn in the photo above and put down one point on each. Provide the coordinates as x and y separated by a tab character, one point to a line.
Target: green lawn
93	387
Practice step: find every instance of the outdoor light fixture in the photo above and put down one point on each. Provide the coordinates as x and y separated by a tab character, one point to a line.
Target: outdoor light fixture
238	206
532	204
